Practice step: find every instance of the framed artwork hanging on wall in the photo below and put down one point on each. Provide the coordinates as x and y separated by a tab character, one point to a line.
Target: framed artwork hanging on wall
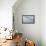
28	19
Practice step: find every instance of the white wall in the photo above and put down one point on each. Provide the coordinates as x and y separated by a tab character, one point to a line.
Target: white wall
31	31
6	13
43	22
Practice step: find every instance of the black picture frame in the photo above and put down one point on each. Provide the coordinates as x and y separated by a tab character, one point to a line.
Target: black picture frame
28	19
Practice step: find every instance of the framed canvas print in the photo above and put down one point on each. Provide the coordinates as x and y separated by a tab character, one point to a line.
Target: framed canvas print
28	19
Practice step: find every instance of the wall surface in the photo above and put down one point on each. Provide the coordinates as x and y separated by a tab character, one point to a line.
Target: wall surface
6	13
30	31
43	22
